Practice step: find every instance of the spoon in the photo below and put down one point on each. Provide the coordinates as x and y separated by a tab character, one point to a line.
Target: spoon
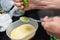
26	19
41	20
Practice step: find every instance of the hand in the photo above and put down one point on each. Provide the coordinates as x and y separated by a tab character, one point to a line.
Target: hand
52	26
32	4
38	4
50	4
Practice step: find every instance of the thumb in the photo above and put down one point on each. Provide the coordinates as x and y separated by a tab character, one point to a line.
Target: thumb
47	25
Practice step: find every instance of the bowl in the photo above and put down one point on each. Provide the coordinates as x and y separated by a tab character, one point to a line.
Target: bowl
18	23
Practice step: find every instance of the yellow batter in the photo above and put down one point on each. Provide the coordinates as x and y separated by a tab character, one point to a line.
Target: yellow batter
22	31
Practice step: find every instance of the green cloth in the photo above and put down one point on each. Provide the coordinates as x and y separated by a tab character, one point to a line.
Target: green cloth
54	38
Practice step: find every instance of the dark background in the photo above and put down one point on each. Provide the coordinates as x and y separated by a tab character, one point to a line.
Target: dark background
36	14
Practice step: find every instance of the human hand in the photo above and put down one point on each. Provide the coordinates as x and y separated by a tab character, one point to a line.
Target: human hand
39	4
50	4
52	26
32	4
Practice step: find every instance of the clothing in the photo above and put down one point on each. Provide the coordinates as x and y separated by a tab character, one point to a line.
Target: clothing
6	4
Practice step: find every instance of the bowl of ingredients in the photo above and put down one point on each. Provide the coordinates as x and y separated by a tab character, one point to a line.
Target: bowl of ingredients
23	29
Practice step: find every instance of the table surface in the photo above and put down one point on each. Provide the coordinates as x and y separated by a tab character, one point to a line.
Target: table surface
40	34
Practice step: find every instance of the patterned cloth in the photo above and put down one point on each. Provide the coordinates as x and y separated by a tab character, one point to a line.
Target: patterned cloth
6	4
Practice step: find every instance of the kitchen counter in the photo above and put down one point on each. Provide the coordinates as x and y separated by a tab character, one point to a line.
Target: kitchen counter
40	34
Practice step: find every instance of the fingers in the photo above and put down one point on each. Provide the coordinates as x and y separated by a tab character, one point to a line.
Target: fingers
17	0
21	7
49	27
19	4
47	5
50	23
44	3
56	19
42	7
47	24
47	19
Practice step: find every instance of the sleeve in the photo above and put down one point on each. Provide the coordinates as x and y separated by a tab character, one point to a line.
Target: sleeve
6	4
